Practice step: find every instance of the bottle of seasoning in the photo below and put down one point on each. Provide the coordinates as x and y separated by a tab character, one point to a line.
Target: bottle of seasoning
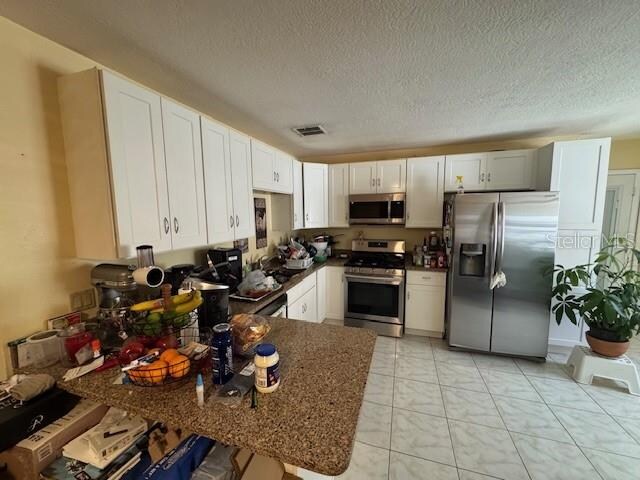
267	363
221	354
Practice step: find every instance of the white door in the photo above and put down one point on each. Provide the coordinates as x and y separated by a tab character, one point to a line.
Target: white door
579	173
511	170
138	170
263	166
316	195
425	308
297	197
217	181
321	294
362	177
335	293
391	176
471	167
621	204
185	177
284	172
339	195
240	153
425	192
304	308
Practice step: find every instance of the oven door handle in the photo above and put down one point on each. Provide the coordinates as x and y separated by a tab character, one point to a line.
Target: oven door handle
373	279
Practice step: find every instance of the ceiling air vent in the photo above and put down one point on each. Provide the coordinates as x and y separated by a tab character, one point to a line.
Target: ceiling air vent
310	130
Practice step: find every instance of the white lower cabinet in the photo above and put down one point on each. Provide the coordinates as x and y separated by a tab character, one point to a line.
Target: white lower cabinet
425	303
335	293
321	294
305	307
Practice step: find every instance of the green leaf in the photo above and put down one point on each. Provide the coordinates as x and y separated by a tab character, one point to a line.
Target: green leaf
559	314
571	315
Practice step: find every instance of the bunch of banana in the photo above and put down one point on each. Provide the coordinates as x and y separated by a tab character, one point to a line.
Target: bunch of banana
157	305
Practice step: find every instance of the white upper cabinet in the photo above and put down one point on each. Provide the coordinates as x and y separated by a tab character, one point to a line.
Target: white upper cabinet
297	197
470	166
185	178
240	153
316	195
493	171
272	169
138	170
510	170
339	195
362	178
392	176
425	192
578	170
217	175
385	176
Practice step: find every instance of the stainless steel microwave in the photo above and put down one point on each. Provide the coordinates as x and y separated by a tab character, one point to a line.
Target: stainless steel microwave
377	209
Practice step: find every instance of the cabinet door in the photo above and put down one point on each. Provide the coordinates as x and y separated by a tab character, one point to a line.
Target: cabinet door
240	154
297	198
362	178
425	308
294	309
391	176
511	170
339	195
335	293
316	195
470	166
284	173
321	294
185	177
425	192
579	173
217	181
263	166
138	170
310	306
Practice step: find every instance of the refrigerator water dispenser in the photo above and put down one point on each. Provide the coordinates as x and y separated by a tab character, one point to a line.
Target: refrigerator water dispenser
472	259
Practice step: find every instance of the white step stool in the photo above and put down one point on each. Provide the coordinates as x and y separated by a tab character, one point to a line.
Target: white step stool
587	364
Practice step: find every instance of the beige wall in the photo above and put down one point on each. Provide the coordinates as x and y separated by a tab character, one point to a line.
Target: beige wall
36	232
344	236
625	154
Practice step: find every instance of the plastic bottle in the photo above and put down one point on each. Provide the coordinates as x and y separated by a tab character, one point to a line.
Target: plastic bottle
221	354
267	362
200	390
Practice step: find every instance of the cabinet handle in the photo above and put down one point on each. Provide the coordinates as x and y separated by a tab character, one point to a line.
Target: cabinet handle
274	176
295	217
237	221
408	294
167	226
306	216
482	177
176	225
231	221
489	177
378	182
426	278
277	177
373	182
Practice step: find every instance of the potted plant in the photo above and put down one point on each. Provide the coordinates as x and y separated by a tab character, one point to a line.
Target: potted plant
605	294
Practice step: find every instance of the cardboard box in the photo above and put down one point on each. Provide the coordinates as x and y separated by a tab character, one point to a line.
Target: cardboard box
250	466
33	454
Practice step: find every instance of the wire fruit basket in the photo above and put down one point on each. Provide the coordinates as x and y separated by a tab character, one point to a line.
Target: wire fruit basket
173	365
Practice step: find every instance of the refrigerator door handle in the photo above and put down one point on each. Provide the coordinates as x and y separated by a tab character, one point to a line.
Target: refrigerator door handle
502	213
494	243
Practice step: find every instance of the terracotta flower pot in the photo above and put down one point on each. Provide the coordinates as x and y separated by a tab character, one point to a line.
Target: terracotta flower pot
607	348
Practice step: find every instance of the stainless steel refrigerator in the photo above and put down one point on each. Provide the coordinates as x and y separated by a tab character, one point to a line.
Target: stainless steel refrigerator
513	233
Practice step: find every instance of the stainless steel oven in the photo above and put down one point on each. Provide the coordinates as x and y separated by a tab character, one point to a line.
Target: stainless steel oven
375	285
377	209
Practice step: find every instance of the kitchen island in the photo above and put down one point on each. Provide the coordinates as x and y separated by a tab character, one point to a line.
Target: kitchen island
309	422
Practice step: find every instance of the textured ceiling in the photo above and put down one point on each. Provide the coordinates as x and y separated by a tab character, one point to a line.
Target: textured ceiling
377	74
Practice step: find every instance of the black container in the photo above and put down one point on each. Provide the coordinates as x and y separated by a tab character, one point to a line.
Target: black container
221	354
176	275
231	272
215	301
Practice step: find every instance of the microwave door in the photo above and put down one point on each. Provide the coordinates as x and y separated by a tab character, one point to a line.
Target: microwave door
375	211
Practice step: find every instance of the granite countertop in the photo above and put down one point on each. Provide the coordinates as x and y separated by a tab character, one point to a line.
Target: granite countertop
309	422
240	306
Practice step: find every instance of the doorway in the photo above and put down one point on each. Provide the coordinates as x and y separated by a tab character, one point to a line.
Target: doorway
621	204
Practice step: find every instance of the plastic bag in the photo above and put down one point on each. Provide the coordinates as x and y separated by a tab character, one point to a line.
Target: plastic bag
248	331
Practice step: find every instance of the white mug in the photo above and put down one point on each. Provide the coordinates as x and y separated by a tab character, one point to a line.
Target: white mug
149	276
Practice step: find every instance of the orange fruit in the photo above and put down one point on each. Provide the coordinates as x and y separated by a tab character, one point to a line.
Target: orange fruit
157	371
179	366
168	354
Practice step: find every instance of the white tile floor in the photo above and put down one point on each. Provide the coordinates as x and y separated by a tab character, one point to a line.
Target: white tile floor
431	413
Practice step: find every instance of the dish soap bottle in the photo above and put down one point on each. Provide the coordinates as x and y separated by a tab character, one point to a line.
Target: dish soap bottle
459	187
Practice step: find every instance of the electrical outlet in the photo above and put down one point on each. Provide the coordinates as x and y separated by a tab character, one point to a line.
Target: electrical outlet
82	300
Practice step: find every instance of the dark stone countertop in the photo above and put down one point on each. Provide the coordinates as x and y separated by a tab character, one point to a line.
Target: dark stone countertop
309	422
